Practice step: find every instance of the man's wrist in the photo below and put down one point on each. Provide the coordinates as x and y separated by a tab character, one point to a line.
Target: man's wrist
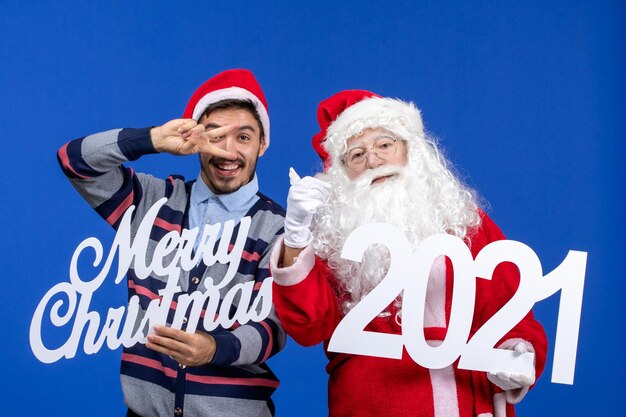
212	348
155	137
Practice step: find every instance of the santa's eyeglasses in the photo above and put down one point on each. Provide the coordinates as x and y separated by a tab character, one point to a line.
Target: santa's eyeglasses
384	147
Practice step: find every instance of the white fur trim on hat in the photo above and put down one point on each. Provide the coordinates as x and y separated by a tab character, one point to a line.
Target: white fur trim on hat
234	93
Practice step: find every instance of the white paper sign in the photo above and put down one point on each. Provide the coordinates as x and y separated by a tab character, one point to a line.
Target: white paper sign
74	298
409	272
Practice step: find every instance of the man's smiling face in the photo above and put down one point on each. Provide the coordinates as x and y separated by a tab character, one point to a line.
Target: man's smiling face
224	176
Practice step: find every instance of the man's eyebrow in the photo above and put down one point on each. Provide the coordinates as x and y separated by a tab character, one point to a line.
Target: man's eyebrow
242	127
247	127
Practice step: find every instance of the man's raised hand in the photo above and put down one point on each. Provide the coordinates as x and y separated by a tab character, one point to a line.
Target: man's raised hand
187	137
169	137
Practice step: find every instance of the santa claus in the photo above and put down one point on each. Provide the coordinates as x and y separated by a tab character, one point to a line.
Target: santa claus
379	166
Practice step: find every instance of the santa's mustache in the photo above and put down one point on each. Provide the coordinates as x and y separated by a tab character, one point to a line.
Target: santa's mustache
366	178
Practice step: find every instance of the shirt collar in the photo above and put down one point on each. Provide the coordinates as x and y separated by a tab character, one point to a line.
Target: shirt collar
200	193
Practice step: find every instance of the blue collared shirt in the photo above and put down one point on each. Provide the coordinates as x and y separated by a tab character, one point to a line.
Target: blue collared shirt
206	207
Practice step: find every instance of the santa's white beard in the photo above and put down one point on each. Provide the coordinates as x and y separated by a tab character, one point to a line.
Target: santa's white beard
406	200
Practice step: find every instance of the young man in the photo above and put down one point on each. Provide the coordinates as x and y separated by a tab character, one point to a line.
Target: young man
380	167
218	371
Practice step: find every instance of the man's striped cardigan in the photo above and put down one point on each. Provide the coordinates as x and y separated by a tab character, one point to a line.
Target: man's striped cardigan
237	382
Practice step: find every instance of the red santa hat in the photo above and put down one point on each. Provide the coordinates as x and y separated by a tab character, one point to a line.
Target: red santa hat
230	84
349	112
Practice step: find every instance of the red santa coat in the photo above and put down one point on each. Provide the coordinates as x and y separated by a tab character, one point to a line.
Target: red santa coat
308	306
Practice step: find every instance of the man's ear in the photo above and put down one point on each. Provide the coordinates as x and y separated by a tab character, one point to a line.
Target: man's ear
263	146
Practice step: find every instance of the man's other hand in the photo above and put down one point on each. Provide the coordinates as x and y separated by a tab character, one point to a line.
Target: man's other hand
188	349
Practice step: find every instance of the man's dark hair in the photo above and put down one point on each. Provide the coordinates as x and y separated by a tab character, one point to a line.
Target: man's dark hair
234	103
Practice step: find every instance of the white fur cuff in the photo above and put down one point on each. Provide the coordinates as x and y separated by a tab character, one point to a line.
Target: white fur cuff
295	273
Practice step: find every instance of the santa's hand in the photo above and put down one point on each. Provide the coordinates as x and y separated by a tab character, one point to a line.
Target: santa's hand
305	196
508	381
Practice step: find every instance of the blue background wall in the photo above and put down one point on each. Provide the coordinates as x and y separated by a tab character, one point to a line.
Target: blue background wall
527	98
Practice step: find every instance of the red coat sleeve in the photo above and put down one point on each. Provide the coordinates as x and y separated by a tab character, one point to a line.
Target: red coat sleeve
309	310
